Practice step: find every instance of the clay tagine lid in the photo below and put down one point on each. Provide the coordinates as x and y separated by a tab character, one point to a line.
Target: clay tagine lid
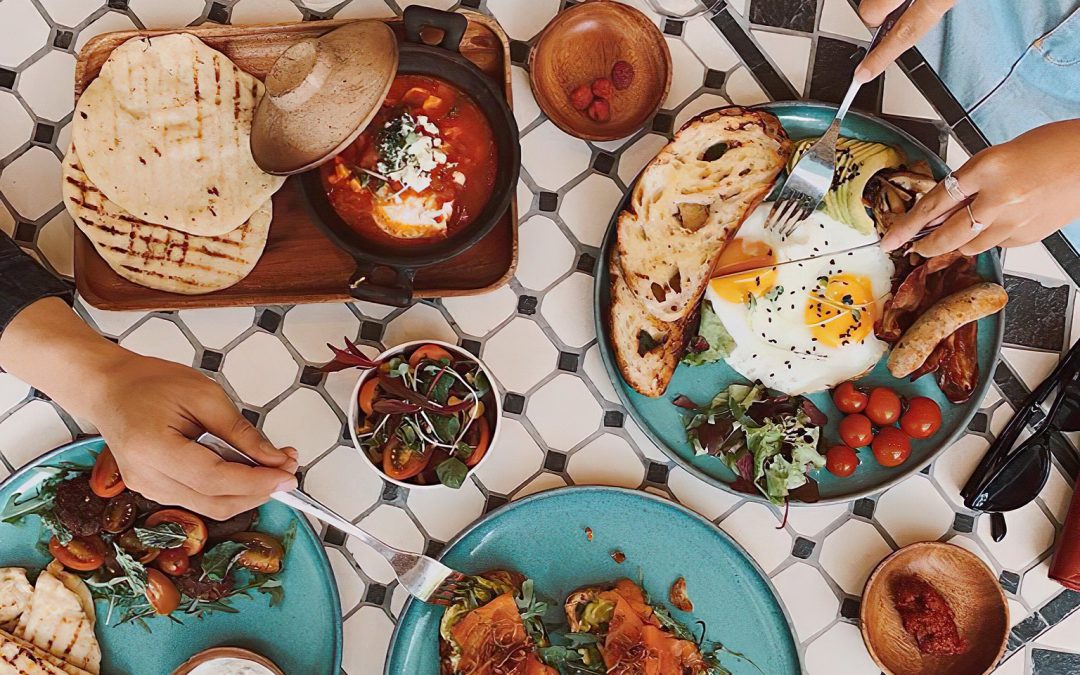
320	94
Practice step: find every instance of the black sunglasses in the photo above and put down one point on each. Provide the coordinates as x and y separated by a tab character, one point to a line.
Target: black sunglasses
1010	477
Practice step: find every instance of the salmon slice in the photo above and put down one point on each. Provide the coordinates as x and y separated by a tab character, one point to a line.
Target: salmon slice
493	640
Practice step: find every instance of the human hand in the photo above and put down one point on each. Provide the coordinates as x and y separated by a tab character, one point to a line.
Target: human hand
1022	191
914	23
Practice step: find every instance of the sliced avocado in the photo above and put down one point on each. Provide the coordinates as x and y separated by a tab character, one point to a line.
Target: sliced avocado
597	613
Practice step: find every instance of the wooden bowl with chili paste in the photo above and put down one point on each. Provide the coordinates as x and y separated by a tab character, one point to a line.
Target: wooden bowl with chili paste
431	174
933	607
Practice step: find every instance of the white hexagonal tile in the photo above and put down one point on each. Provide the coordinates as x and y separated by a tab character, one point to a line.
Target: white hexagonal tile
12	391
54	240
702	102
1036	587
568	308
694	493
791	53
479	314
345	481
524	199
18	127
1003	412
902	97
552	157
1033	367
106	23
587	207
969	543
398	599
4	473
525	108
753	525
70	13
851	552
1016	663
437	4
840	18
305	421
1056	494
564	412
504	355
22	31
1030	535
542	483
371	310
512	460
160	338
340	385
914	511
954	466
7	221
31	431
38	85
1063	635
709	44
633	159
593	365
259	368
808	598
644	443
522	20
839	651
264	11
360	9
444	513
956	156
743	89
366	639
606	460
419	322
216	327
350	586
393	526
550	255
107	322
32	182
308	328
172	14
809	520
687	73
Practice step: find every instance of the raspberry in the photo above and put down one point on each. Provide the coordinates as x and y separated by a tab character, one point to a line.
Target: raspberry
581	97
622	74
599	111
602	87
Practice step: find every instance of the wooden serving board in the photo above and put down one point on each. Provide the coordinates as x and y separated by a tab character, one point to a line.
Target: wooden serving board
300	265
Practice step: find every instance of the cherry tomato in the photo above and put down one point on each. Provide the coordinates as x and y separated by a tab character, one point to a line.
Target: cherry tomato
481	447
173	561
856	431
841	461
160	592
192	524
883	408
263	554
82	554
433	352
401	463
105	478
129	541
119	513
849	399
922	418
891	447
366	397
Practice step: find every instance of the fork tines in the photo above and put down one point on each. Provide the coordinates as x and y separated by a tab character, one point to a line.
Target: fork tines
786	214
447	590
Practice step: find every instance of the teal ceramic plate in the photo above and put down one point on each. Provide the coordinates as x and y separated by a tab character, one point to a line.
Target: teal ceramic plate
543	537
311	597
662	421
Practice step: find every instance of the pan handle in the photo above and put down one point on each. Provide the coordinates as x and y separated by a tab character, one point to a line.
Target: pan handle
383	285
452	25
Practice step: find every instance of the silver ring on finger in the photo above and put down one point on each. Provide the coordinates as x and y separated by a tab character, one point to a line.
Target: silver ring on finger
976	226
952	186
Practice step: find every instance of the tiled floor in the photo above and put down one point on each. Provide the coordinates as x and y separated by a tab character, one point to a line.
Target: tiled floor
562	422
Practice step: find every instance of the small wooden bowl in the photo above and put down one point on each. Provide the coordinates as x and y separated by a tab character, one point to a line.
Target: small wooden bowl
226	653
581	44
966	583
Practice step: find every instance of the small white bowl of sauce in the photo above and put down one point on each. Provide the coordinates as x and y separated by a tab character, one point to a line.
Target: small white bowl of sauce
228	661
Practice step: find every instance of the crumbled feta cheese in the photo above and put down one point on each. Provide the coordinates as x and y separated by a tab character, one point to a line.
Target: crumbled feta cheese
459	178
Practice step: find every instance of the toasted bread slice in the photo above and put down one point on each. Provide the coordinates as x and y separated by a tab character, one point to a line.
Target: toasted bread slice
691	199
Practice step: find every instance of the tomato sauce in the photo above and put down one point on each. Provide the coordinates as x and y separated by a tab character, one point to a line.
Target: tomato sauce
466	178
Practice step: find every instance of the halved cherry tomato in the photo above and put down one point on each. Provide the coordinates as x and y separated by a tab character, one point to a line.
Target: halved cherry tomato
922	418
432	352
481	447
849	399
129	541
173	561
856	431
263	554
366	397
891	447
119	513
105	478
399	462
161	593
192	524
841	461
883	408
82	554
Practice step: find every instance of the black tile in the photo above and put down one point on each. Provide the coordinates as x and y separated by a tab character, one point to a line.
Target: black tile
1028	628
979	423
662	123
614	418
376	594
970	137
673	27
603	162
472	4
911	59
794	14
43	133
24	232
549	201
834	64
1011	386
774	84
527	305
802	548
311	376
1052	662
493	502
925	470
657	473
39	395
390	492
371	330
62	39
927	81
519	52
714	79
849	608
1010	581
1060	607
471	346
7	78
568	362
218	13
118	4
864	507
269	320
334	536
587	263
513	403
211	360
1036	314
934	135
1065	254
251	416
434	548
555	461
963	523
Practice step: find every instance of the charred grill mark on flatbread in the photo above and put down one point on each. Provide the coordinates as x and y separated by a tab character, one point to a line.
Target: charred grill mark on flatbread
236	94
217	80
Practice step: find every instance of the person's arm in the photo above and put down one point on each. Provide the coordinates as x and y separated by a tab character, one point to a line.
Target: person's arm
916	22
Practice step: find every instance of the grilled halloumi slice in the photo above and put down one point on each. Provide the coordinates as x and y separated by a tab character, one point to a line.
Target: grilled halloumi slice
60	619
15	593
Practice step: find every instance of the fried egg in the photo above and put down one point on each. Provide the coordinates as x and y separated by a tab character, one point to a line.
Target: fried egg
411	215
806	326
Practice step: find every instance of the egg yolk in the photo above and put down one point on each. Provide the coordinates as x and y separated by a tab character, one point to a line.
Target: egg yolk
741	255
841	312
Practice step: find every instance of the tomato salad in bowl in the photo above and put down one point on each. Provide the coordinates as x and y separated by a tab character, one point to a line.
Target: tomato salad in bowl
425	414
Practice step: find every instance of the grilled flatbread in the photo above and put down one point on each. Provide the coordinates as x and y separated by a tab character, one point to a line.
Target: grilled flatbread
19	657
159	257
58	621
15	593
164	132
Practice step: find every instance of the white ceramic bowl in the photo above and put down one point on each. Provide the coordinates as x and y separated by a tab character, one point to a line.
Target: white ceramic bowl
354	409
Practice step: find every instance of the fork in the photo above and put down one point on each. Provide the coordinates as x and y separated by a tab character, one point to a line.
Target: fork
811	178
426	579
